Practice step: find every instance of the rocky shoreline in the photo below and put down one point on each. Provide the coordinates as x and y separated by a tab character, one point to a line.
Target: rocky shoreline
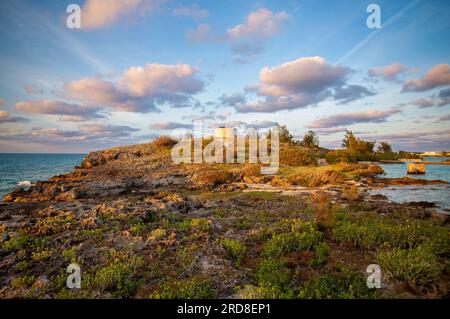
132	214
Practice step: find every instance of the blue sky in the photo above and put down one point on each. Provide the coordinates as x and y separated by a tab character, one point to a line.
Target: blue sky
140	68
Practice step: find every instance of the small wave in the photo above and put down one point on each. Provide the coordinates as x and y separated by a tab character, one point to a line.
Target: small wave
24	184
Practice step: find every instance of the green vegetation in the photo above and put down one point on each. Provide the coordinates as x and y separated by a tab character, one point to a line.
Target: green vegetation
321	253
235	249
118	277
418	265
22	281
292	155
343	285
305	237
372	232
15	243
192	288
203	231
274	280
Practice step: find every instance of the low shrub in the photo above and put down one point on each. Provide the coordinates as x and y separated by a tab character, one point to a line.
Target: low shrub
305	237
164	141
345	285
235	249
418	265
316	178
350	193
22	282
295	156
192	288
119	277
274	279
323	213
321	253
340	156
15	243
214	177
373	233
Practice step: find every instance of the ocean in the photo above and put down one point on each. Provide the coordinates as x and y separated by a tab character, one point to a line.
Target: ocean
439	194
25	169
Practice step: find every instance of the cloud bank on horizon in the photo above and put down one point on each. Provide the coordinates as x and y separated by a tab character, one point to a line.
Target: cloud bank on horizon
140	68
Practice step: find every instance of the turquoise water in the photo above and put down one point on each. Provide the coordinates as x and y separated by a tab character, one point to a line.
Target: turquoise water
25	169
439	194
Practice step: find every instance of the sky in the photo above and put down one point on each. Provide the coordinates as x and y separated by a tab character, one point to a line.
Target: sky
137	69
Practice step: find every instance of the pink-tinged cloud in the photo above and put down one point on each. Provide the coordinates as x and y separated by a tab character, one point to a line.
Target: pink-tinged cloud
260	23
201	33
86	132
270	104
100	13
5	117
390	72
247	39
300	83
140	89
161	79
94	89
170	126
2	101
437	76
65	110
193	11
368	116
304	75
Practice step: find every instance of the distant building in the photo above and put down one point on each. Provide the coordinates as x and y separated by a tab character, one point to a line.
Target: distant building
221	132
433	154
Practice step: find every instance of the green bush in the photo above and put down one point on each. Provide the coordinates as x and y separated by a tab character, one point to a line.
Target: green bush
22	282
274	279
118	277
321	253
14	244
346	285
305	237
340	156
372	233
192	288
295	156
417	265
235	249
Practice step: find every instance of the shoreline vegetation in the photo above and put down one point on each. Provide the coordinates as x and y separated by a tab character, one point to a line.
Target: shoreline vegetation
140	226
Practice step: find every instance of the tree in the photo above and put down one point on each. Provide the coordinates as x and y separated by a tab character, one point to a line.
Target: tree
310	140
349	141
361	149
385	148
285	135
